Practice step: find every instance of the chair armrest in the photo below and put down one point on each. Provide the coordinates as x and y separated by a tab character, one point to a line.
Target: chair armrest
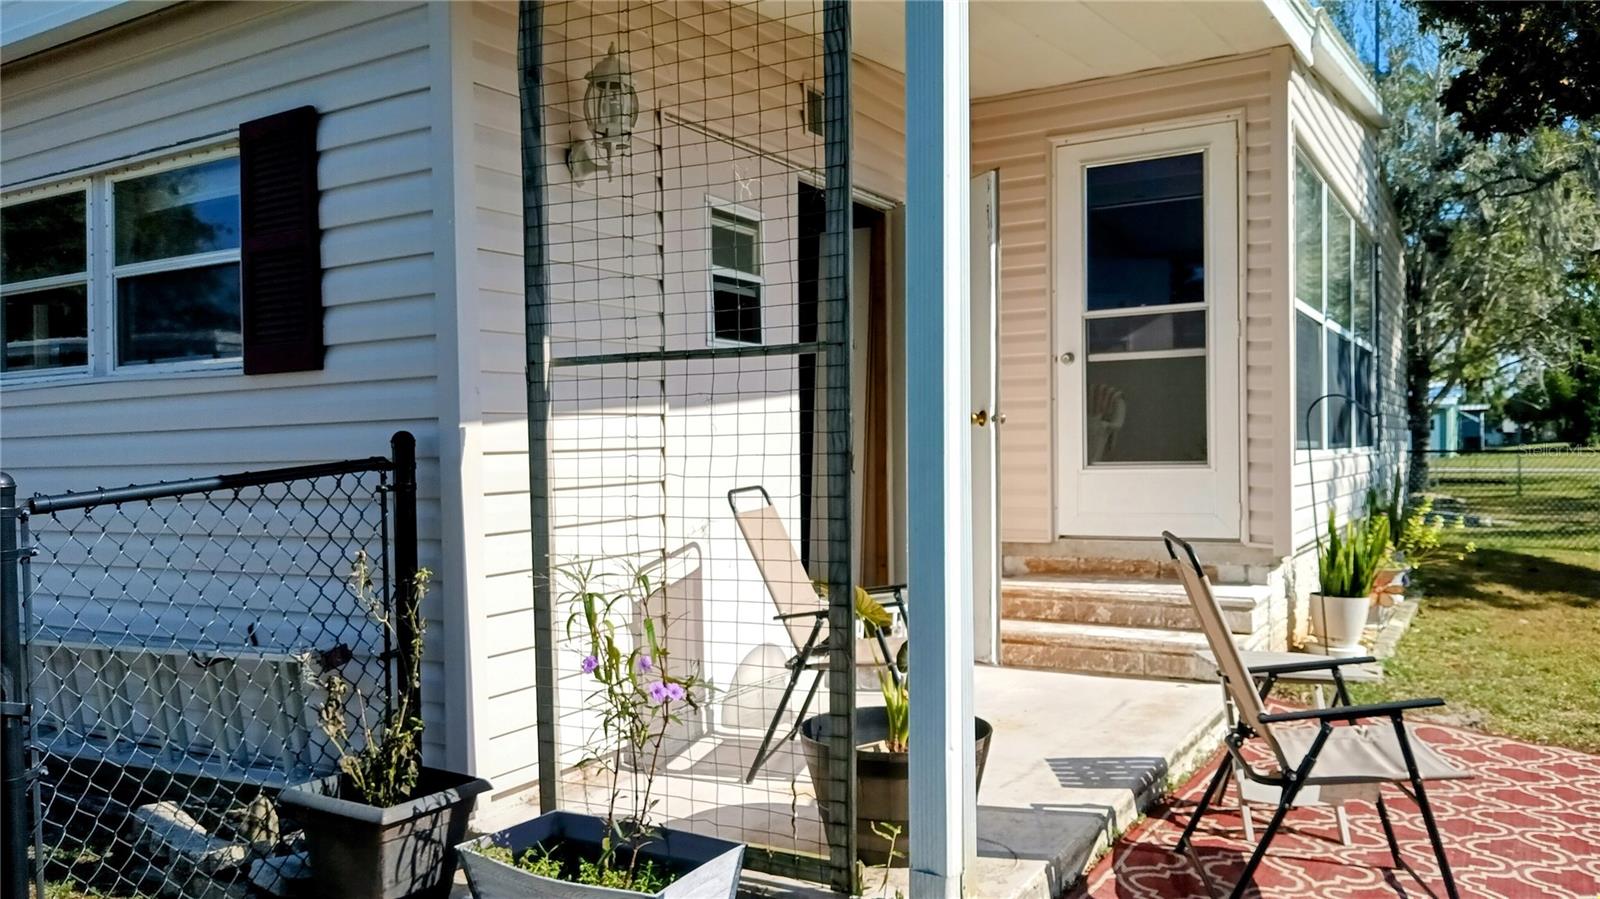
814	613
1310	665
1354	712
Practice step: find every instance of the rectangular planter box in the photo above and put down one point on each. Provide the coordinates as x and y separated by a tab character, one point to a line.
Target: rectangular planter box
363	852
706	867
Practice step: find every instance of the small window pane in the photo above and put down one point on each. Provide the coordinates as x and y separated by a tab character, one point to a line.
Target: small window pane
736	309
178	212
1338	264
1145	232
1307	379
734	243
1365	395
1307	235
1365	288
46	329
1147	333
191	313
42	238
1341	383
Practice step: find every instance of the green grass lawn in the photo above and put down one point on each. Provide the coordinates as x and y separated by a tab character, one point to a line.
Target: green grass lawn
1510	635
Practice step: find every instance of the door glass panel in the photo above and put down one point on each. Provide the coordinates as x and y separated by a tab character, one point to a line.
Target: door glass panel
1145	410
1146	233
1148	333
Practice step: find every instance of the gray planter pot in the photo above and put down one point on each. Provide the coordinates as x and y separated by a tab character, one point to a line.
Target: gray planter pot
361	851
883	781
704	866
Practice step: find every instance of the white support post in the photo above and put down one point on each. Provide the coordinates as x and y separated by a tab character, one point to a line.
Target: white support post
938	438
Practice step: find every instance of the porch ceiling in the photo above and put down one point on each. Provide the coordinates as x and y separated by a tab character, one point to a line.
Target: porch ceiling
1019	45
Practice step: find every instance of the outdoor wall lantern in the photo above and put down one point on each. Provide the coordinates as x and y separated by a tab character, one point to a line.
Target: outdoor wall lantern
610	109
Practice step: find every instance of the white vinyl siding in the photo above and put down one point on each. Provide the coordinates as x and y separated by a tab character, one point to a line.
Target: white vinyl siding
196	72
1014	134
1343	149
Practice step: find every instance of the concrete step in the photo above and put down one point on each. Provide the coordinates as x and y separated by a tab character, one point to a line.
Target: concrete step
1107	649
1098	566
1157	604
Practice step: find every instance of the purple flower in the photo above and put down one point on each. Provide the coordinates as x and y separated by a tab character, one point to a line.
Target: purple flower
644	664
590	663
675	692
659	692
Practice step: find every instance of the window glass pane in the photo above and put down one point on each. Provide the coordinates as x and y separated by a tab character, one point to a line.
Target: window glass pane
1145	232
1145	410
46	329
1145	333
735	309
734	243
1338	264
1364	289
1366	396
1307	379
42	238
191	313
178	212
1341	381
1307	235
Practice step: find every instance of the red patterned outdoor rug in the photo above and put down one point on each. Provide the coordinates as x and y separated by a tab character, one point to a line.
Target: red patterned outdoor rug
1527	825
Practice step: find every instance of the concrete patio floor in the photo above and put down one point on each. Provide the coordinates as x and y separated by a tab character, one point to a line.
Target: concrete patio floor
1073	761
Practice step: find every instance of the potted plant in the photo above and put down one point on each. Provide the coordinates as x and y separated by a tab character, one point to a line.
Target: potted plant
638	698
883	764
1394	573
1347	563
385	827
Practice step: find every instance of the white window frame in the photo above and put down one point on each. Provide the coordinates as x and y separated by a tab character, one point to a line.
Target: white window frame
85	277
103	271
1328	326
713	271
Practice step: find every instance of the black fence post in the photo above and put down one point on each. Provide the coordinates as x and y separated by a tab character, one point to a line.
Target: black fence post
13	704
408	617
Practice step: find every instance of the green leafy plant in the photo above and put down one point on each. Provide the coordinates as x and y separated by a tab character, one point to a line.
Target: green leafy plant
1349	558
897	707
638	698
1421	536
381	766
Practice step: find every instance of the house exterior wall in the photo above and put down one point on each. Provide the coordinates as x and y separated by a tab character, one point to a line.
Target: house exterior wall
629	271
195	72
1015	134
1343	147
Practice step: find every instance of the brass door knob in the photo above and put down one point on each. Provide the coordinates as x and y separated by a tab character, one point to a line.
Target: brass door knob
980	417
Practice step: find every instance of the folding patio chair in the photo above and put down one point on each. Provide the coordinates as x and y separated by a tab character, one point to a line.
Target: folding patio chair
1384	751
803	613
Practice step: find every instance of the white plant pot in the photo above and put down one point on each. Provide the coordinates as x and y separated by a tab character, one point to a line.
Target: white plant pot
1337	622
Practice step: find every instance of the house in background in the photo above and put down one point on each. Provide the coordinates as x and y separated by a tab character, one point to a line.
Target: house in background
1191	263
1460	426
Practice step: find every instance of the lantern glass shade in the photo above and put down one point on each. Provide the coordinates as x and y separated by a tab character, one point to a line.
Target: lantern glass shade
610	105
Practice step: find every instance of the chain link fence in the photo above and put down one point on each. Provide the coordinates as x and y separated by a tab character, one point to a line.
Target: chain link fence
1537	500
168	643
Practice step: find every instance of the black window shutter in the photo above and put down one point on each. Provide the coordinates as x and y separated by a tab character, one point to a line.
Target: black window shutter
280	253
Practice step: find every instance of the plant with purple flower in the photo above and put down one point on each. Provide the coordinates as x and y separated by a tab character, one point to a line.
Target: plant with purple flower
636	692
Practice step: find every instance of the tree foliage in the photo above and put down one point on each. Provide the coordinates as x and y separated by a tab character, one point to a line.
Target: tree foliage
1526	66
1501	233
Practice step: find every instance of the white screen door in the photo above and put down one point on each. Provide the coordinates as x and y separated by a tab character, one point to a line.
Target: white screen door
1147	363
984	290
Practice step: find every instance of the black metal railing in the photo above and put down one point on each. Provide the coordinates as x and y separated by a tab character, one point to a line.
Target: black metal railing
164	653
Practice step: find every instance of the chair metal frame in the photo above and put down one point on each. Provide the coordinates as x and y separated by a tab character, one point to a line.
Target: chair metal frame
1289	780
813	653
